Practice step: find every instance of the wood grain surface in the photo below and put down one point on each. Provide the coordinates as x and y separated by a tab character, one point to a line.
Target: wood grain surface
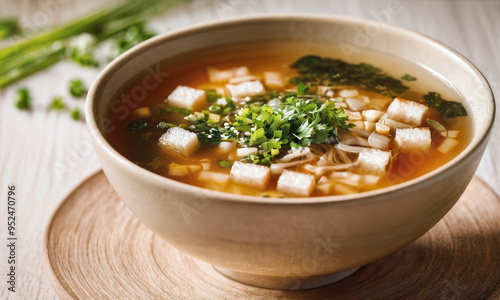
46	154
95	248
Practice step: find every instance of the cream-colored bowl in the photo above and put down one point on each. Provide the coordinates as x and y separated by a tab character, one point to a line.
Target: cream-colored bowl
290	243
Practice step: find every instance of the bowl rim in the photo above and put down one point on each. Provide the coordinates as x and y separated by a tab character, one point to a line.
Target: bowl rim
100	140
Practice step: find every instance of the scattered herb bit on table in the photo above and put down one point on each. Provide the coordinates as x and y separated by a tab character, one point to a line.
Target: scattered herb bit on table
76	114
77	88
57	104
23	99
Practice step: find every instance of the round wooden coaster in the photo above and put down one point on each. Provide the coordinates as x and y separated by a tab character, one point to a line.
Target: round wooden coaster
95	248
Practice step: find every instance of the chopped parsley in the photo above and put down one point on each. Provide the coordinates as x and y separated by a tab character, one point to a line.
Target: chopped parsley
297	122
449	109
225	163
211	95
77	88
328	71
207	130
23	99
57	103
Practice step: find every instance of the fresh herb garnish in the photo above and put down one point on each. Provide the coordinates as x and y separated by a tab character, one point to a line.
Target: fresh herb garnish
264	98
207	130
23	99
225	163
57	104
408	77
137	125
302	88
77	88
208	134
165	125
212	96
180	110
329	71
449	109
297	122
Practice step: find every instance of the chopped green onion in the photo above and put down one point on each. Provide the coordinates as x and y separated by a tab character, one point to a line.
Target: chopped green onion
164	125
215	108
225	163
44	49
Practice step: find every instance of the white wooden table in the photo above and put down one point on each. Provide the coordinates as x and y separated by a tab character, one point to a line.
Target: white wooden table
46	154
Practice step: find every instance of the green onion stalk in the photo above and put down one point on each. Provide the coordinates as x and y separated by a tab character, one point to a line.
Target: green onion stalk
46	48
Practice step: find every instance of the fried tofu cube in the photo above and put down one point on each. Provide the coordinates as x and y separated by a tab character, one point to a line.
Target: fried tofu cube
250	174
247	88
219	76
242	79
222	76
274	80
406	111
373	161
216	177
413	139
372	115
296	183
186	97
447	145
179	140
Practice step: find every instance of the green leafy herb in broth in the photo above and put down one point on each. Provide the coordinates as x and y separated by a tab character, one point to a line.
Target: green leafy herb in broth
294	123
329	71
449	109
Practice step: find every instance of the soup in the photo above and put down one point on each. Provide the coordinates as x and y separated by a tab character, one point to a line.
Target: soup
278	121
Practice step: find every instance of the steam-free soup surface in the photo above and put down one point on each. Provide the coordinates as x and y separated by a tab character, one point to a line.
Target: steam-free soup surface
263	121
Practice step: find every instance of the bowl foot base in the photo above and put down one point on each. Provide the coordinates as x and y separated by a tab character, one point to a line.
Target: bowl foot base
286	282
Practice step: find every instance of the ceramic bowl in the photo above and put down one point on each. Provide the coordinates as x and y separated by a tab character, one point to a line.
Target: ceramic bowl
291	243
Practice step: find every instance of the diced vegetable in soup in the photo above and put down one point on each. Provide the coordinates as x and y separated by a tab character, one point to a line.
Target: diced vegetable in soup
315	126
